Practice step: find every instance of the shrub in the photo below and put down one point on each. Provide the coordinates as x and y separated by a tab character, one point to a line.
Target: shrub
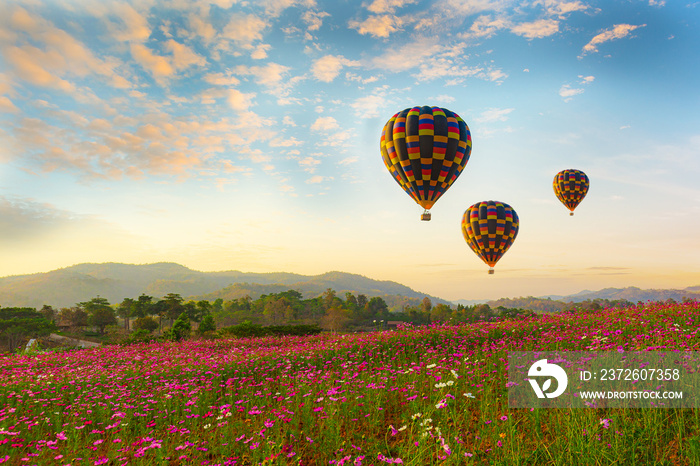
147	323
182	328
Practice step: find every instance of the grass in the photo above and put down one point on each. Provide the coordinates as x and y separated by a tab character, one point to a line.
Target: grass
428	395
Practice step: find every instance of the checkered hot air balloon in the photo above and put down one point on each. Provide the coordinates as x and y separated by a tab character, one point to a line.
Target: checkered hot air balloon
571	187
425	149
489	228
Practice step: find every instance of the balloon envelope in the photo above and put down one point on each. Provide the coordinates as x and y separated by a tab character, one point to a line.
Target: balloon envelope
425	149
489	228
570	187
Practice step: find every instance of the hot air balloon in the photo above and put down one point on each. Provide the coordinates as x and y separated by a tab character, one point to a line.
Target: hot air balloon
490	227
425	149
571	187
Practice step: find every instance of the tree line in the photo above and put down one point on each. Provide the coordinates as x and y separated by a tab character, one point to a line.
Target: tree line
174	317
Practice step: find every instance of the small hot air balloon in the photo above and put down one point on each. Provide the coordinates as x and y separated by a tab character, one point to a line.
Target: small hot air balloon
571	187
490	227
425	149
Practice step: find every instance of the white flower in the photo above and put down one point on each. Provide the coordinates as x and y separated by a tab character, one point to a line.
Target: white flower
454	373
430	366
469	395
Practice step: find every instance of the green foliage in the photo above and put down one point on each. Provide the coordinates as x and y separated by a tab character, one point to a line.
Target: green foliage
18	323
182	328
207	325
102	317
147	324
248	329
142	336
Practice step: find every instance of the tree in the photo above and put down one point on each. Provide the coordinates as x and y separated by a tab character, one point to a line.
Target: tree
101	318
274	310
377	308
73	317
125	310
145	323
100	313
207	325
94	303
181	328
174	306
441	312
201	309
48	312
328	298
18	323
218	305
142	306
426	305
361	300
335	319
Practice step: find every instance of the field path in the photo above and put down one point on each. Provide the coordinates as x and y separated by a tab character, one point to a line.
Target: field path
74	341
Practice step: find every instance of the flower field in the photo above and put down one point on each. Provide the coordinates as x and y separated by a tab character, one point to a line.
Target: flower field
418	396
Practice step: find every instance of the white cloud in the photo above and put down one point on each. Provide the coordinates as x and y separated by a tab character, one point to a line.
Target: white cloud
244	29
562	8
6	105
586	79
378	26
349	160
567	92
318	179
220	79
240	101
132	25
309	164
290	142
388	6
394	60
494	114
325	124
287	120
618	31
485	26
158	66
327	68
370	105
465	8
314	19
260	52
537	29
184	56
269	75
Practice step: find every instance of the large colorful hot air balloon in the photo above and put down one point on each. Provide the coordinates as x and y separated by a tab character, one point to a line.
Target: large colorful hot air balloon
571	187
490	227
425	149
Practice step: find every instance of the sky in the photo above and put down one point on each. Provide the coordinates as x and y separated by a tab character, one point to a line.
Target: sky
244	135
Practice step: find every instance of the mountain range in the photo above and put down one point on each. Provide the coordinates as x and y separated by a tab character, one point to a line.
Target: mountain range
115	281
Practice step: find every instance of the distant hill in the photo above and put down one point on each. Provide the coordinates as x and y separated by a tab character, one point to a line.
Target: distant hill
632	294
114	281
555	303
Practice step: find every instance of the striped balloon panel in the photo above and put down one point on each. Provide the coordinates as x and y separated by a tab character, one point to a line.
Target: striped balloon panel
489	228
570	187
425	149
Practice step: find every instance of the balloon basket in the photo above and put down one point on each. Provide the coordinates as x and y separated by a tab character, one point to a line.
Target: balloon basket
571	214
425	216
491	271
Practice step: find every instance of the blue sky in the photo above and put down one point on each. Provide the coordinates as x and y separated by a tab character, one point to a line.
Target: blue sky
245	135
